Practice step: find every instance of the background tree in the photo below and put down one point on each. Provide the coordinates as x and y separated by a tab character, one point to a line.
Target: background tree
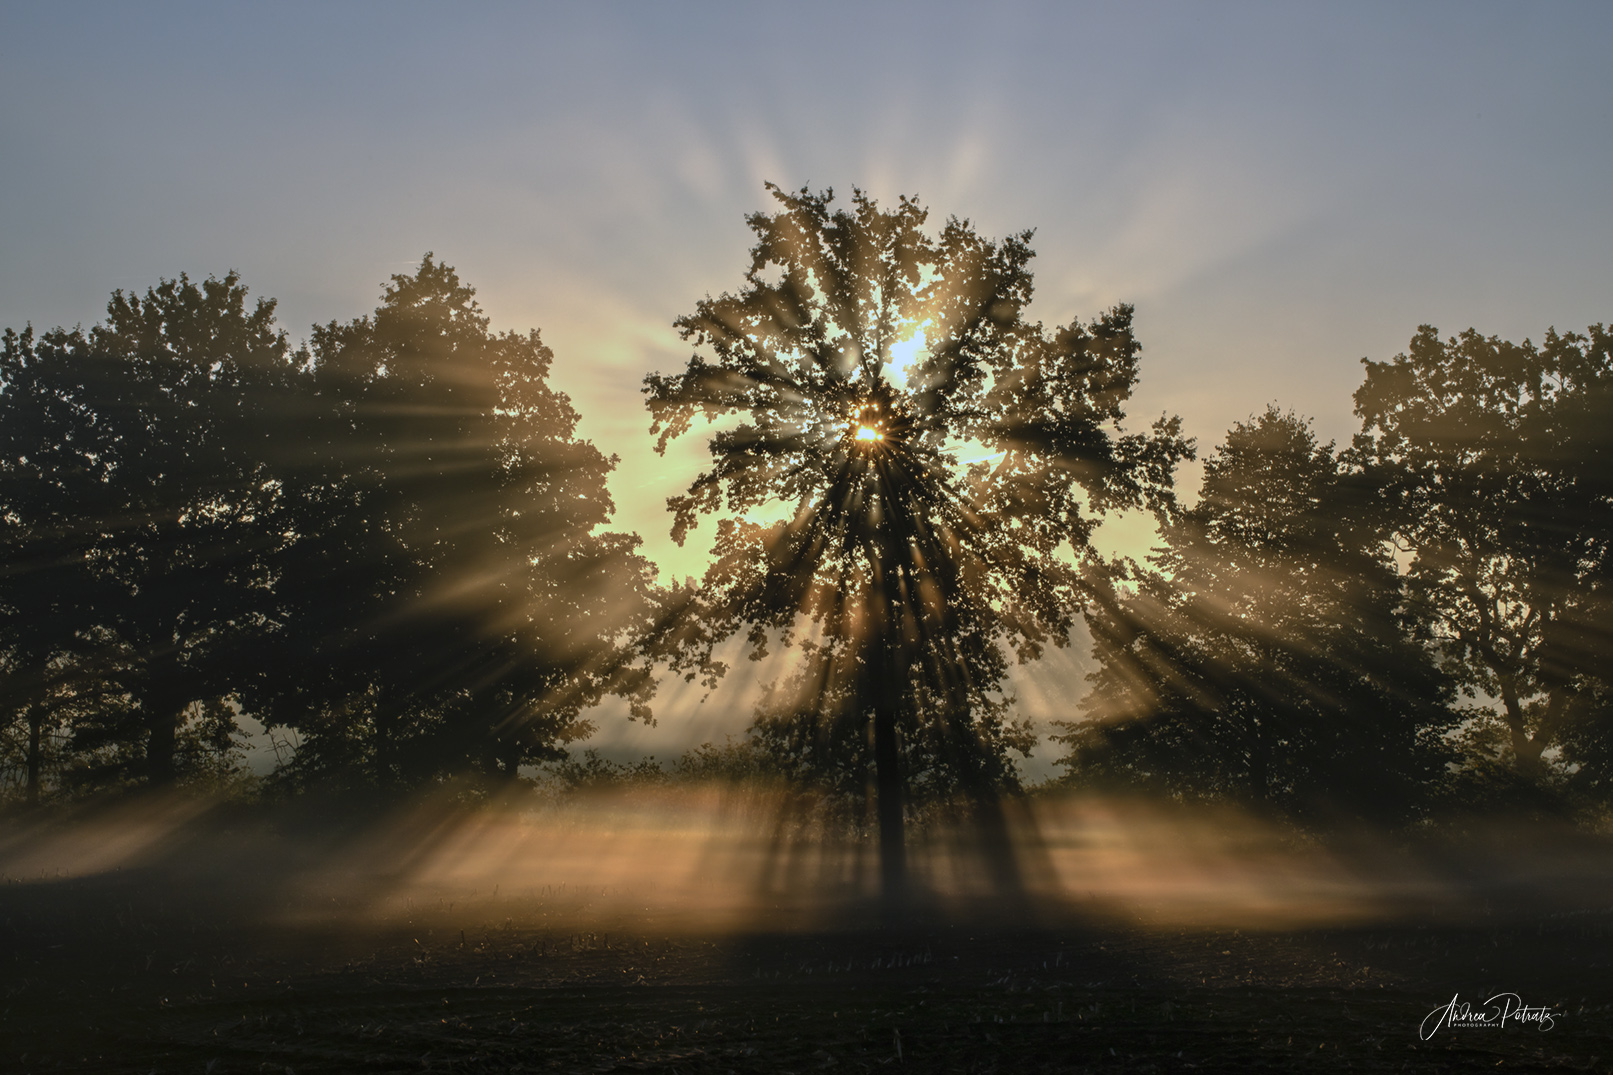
1263	658
53	477
448	603
1497	458
187	373
145	460
941	463
387	542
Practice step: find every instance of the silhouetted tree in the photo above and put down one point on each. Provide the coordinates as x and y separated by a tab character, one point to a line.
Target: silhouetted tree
146	460
448	602
1263	658
53	476
938	459
1498	461
387	543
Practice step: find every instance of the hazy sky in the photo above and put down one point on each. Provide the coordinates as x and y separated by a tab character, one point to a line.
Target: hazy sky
1281	189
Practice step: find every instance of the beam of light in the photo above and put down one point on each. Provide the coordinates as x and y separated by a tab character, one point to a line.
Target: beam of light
869	434
733	858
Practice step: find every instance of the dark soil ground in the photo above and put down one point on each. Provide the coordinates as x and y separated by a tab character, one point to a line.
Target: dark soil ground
158	968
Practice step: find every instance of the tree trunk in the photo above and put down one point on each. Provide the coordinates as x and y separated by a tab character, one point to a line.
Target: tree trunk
36	727
888	791
162	726
1526	750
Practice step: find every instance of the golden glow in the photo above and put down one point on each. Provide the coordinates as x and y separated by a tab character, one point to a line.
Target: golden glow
711	857
869	433
905	355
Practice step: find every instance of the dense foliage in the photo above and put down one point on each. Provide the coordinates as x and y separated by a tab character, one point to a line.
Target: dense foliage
1421	619
385	545
1264	657
1497	464
940	462
389	547
448	602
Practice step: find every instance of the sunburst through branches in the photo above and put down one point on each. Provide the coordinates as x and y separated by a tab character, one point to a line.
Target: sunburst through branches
946	461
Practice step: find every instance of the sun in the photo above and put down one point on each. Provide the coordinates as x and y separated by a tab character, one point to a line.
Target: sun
868	424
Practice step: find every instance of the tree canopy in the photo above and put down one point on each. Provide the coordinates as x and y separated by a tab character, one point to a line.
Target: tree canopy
1497	459
138	456
1264	657
449	602
53	484
940	462
391	547
390	542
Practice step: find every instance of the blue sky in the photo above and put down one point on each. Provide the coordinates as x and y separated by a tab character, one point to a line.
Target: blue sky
1281	189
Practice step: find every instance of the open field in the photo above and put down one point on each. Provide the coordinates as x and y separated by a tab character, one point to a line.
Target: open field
709	932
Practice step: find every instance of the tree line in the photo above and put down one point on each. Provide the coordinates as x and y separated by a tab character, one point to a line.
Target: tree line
388	542
391	543
1420	618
